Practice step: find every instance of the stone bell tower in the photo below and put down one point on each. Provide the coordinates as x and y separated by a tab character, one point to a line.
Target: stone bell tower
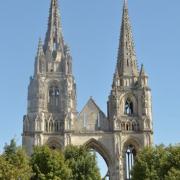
52	90
129	105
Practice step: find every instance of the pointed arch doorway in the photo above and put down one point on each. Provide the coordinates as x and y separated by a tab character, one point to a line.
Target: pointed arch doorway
104	160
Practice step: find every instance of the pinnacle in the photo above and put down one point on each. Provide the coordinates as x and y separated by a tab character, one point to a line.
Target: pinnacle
142	72
40	48
40	43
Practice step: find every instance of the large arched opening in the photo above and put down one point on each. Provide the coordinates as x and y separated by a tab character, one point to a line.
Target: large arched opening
103	158
130	150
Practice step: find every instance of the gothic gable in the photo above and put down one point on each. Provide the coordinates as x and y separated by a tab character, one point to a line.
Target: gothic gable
92	118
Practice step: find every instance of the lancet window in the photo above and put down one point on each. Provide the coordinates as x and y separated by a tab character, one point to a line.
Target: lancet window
54	98
128	107
129	159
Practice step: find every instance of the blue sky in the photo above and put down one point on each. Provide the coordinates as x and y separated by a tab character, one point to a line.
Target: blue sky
91	28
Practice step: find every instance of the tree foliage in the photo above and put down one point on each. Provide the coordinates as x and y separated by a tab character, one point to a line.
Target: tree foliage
157	163
82	163
49	164
14	163
74	163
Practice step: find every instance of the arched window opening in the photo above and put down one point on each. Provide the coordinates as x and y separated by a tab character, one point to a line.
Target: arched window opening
54	98
101	165
128	107
130	156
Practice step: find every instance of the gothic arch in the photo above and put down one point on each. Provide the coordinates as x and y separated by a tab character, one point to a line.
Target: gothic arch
53	83
130	149
54	143
132	140
101	149
53	96
132	98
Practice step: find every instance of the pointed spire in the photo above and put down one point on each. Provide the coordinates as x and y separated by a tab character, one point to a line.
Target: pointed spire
142	71
127	64
54	37
40	51
116	78
143	77
39	59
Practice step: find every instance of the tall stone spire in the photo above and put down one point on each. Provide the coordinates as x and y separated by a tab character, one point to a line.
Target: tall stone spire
54	37
127	64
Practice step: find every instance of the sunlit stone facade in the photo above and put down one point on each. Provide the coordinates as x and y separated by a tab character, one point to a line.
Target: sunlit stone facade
52	118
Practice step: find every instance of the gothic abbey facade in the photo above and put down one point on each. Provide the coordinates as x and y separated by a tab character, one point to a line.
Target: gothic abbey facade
52	118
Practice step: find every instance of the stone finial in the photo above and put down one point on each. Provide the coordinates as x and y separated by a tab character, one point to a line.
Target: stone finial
142	72
40	48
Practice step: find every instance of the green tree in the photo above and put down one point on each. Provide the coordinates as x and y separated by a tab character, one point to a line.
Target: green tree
157	163
6	170
173	174
82	163
74	163
14	163
48	164
10	149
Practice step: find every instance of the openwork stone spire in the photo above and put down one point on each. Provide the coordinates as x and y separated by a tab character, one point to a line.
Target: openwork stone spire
54	37
127	64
